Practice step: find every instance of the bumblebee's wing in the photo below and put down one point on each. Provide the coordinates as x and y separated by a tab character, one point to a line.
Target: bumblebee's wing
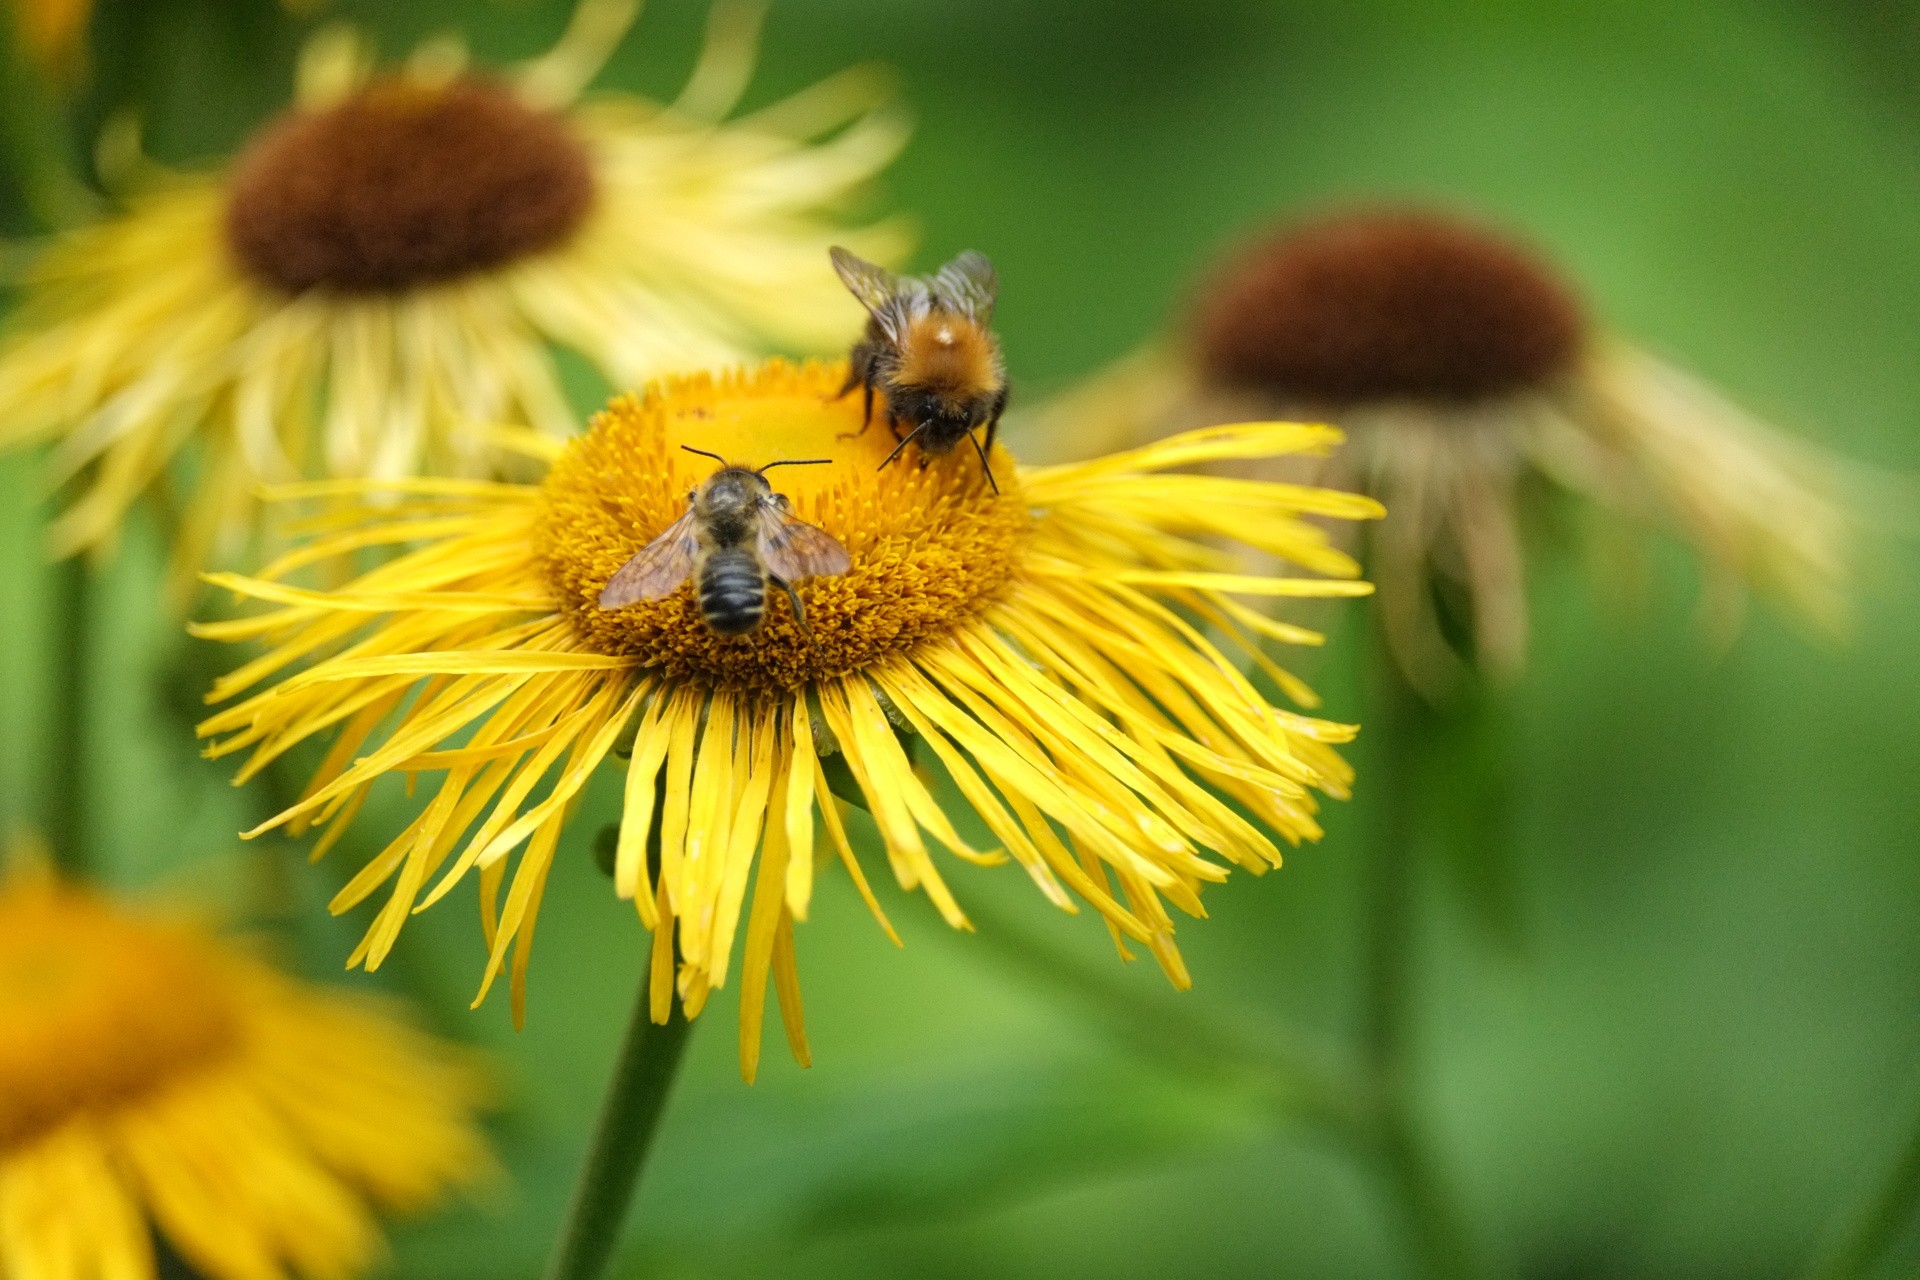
656	568
792	549
891	300
968	285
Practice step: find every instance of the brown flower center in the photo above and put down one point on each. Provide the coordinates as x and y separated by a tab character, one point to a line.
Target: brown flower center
98	1009
1387	306
403	185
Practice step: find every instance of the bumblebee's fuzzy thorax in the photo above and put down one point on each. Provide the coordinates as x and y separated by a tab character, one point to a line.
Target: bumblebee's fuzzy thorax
949	353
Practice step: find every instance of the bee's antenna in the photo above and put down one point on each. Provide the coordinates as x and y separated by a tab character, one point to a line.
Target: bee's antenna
906	440
705	454
984	464
792	462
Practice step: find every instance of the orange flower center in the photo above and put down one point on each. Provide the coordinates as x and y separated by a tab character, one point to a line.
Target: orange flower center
403	185
930	541
97	1009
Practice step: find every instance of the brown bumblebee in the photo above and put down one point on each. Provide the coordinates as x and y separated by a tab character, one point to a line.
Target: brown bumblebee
929	350
736	536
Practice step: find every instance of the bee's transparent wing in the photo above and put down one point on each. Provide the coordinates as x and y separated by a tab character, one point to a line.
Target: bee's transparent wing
893	301
792	549
656	568
968	285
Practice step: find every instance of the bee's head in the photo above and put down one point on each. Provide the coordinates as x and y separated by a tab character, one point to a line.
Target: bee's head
731	489
734	488
960	415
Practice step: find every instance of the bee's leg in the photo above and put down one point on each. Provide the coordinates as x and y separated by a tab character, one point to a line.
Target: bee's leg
904	441
993	419
858	365
799	614
860	374
984	464
866	412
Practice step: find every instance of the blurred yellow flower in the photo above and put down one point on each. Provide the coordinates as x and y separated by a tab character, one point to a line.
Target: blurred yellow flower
1042	642
388	268
153	1077
1465	372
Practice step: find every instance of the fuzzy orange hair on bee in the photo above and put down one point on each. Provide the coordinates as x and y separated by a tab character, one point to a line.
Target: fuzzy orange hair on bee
930	351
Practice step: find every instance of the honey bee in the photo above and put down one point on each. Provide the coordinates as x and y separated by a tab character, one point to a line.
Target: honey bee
736	536
929	350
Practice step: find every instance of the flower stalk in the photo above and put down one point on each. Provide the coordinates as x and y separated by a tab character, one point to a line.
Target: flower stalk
36	140
1401	731
623	1137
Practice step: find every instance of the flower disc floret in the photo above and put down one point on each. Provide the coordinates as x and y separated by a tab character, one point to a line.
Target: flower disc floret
931	542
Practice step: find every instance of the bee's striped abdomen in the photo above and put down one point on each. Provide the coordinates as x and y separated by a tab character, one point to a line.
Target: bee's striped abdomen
732	592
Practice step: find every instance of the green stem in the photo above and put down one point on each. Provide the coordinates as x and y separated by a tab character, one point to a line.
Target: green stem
36	141
629	1116
1388	906
1434	1224
70	813
1874	1229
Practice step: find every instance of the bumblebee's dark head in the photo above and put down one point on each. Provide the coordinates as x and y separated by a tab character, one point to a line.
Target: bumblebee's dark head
945	425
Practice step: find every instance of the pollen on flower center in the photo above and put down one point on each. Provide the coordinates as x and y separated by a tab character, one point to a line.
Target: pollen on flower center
99	1010
1387	306
403	185
931	542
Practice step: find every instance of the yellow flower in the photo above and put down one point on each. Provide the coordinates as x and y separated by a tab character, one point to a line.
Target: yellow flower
389	267
1465	373
153	1076
1046	645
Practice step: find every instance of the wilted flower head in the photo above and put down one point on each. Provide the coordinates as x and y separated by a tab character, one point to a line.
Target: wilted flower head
1465	370
388	267
155	1080
1043	644
1398	307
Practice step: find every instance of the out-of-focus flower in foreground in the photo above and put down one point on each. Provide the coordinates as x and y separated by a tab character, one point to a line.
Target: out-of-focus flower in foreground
1045	644
154	1079
387	269
1465	371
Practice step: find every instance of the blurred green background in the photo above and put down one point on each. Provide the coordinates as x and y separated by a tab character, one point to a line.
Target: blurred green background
1703	1046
